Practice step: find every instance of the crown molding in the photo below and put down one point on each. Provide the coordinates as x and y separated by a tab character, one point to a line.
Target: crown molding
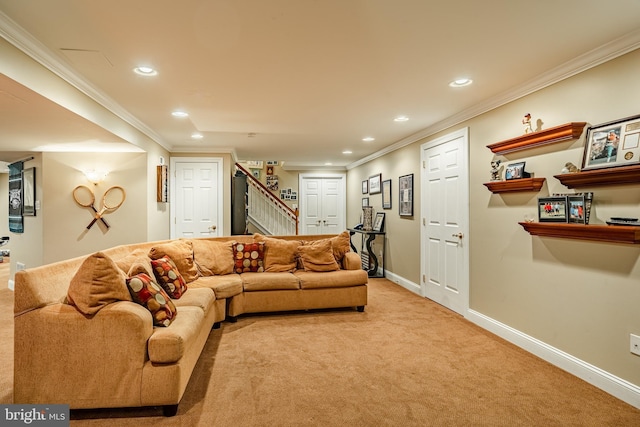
21	39
618	47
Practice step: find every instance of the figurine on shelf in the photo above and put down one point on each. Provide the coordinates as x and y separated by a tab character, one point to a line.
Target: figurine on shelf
570	168
527	123
496	170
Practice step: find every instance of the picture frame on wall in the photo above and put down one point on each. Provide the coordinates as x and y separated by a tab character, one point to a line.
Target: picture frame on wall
29	192
365	186
375	182
405	195
386	194
552	209
365	202
612	144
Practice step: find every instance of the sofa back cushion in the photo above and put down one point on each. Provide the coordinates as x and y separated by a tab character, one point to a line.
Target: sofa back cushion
213	257
318	257
181	253
97	283
280	255
340	245
135	262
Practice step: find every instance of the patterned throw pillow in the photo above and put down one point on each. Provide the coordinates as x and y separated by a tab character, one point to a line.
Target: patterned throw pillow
169	277
148	294
249	257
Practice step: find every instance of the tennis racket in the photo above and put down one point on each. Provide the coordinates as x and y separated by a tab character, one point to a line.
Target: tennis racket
113	198
85	198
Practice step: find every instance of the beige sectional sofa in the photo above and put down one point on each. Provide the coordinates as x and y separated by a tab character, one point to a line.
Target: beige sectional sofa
81	339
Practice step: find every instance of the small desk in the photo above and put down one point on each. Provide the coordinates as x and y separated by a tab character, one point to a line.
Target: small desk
373	260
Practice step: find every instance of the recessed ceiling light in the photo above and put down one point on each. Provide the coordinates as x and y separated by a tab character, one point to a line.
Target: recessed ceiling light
145	71
179	113
197	136
368	139
328	164
347	152
401	119
460	82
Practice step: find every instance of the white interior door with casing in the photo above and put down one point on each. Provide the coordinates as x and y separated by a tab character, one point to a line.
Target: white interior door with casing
196	197
322	203
445	221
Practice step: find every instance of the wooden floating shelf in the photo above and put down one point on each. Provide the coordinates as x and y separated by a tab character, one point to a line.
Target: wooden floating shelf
600	177
515	185
602	233
536	139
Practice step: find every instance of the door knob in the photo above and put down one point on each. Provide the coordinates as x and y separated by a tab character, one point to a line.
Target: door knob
213	228
458	235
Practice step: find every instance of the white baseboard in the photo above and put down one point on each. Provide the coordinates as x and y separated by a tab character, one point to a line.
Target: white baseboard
623	390
11	284
413	287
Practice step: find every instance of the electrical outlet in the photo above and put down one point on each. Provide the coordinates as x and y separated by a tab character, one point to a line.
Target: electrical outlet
634	344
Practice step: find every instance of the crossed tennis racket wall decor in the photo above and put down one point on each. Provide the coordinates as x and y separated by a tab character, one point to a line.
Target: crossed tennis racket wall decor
112	199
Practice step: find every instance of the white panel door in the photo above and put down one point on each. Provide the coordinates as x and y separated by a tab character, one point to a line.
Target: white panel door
197	198
322	204
445	221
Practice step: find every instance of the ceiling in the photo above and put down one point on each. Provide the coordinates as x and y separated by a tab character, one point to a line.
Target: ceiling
300	81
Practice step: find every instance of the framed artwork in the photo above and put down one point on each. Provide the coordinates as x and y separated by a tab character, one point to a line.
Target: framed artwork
255	173
514	171
29	192
552	209
269	170
405	196
272	182
378	224
272	163
374	184
612	144
16	220
365	186
254	164
386	194
162	184
577	209
365	202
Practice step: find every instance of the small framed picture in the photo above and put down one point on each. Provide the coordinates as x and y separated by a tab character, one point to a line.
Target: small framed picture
577	209
378	224
269	170
386	194
365	186
552	209
272	163
255	173
612	144
374	184
365	202
514	171
405	197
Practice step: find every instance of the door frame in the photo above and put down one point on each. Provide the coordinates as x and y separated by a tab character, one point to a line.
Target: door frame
464	194
172	188
302	194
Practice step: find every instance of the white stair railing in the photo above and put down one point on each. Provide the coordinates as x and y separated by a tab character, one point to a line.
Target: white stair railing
266	211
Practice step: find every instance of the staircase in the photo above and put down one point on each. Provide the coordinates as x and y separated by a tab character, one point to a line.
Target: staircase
266	212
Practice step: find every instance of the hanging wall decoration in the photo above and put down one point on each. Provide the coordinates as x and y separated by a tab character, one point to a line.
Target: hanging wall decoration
16	221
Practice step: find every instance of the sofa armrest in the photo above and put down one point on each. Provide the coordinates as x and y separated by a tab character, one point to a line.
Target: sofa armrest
351	261
62	356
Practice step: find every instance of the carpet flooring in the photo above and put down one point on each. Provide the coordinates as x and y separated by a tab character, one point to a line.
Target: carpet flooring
405	361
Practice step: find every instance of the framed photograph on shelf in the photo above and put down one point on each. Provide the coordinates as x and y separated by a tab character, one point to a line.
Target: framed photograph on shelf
365	202
29	192
386	194
552	209
365	186
514	171
378	224
405	196
374	184
612	144
577	209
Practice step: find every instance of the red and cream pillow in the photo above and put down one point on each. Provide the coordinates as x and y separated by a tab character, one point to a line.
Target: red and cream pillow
169	276
150	295
249	257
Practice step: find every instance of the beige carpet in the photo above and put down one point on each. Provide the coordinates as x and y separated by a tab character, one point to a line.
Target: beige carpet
405	361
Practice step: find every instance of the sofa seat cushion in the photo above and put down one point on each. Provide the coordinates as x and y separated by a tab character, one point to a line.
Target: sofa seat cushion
331	279
168	345
269	281
200	297
223	286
